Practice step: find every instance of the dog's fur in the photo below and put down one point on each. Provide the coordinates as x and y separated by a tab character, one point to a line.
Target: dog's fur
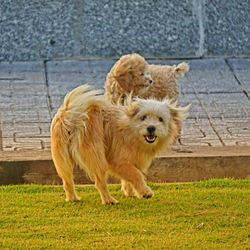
131	73
101	138
166	81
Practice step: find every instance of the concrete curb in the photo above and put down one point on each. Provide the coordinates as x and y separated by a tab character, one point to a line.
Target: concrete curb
199	163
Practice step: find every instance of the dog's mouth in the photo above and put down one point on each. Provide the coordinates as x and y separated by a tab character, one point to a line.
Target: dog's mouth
150	138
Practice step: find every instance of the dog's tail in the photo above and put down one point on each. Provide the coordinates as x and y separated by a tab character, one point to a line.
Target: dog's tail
181	69
75	108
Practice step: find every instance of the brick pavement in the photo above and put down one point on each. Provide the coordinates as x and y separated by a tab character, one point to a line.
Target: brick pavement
30	93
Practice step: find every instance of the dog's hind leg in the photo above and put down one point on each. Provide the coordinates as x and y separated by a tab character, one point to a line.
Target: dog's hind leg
64	167
127	189
101	186
69	188
93	161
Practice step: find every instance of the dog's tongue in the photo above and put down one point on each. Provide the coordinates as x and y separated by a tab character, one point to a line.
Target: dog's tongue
150	137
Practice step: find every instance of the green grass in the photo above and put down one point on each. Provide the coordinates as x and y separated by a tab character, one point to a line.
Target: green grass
203	215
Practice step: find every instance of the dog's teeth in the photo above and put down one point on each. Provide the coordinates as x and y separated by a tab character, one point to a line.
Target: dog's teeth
150	138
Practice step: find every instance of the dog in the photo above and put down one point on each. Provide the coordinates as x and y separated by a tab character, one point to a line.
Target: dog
105	139
132	74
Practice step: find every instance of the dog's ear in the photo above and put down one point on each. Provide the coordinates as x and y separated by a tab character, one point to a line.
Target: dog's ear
125	81
179	113
181	69
132	109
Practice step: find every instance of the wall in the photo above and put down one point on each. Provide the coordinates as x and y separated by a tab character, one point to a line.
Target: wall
42	30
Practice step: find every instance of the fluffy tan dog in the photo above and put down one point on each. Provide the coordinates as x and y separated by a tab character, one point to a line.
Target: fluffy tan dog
131	73
104	139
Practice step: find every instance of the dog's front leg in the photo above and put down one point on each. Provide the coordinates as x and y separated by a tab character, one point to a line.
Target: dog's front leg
134	176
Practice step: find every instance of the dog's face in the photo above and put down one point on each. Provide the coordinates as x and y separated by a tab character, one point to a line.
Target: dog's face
132	75
155	121
140	81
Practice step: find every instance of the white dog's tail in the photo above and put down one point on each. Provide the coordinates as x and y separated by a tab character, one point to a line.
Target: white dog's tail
181	69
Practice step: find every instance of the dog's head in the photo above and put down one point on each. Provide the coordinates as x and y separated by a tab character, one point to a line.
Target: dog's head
131	74
155	122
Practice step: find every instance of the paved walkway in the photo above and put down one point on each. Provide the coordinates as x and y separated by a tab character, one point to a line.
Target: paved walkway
30	93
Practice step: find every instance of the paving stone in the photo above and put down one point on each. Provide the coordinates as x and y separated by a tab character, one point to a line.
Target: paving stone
22	89
199	132
73	66
239	63
9	144
201	142
79	66
56	101
22	72
208	81
225	105
244	78
205	76
21	102
20	77
233	131
101	65
66	75
21	67
236	141
196	110
25	129
28	116
241	70
197	64
63	83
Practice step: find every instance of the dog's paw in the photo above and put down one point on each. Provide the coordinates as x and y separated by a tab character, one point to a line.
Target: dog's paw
148	194
145	193
110	201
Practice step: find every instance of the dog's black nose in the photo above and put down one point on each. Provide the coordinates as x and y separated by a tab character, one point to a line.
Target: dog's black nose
151	129
150	81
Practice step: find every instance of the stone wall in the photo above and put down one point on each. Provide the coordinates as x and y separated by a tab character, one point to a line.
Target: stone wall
52	29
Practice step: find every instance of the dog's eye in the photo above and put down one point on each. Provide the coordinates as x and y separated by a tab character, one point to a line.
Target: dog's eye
160	119
143	117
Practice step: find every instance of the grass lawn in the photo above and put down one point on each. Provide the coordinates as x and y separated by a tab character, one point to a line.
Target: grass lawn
212	214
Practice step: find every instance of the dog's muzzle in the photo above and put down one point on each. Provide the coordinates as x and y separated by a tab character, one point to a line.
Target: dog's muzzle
150	137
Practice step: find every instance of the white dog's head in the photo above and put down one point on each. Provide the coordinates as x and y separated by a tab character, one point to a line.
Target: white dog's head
155	123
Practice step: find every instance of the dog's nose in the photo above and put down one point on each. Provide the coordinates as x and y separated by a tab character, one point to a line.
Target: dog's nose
151	129
151	82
